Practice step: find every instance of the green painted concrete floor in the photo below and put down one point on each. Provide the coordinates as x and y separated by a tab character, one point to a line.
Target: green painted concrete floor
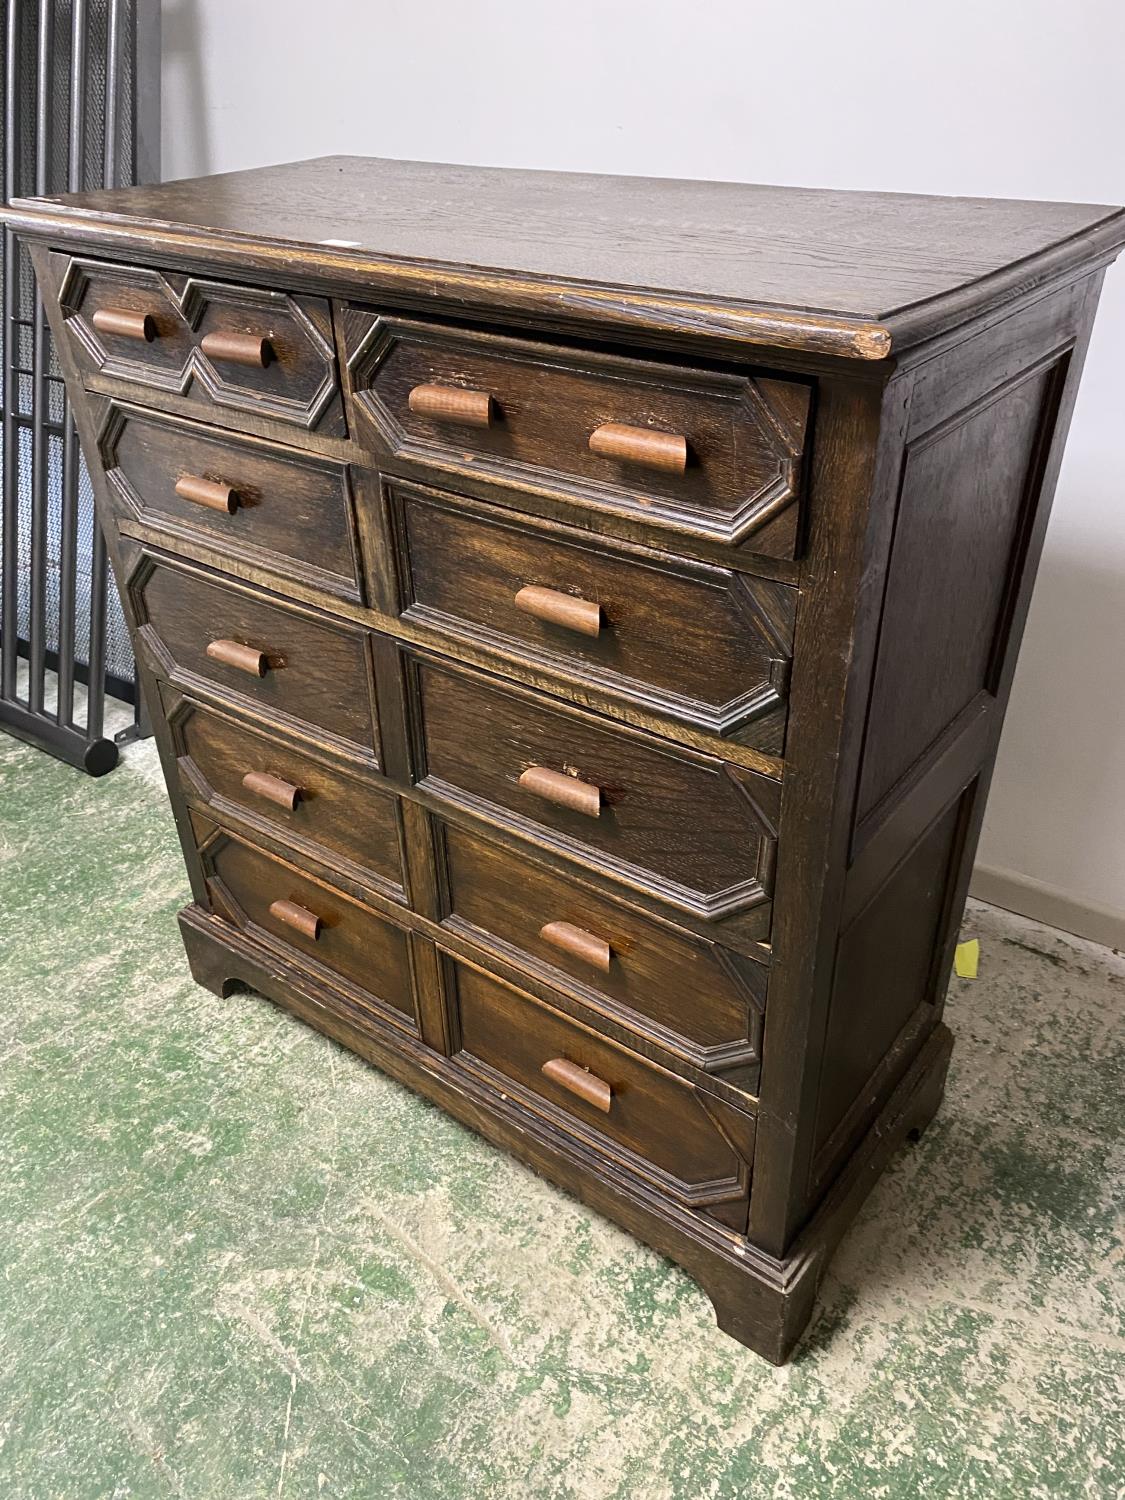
237	1262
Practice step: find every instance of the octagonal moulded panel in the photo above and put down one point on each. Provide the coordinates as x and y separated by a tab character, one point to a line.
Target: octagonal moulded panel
170	318
518	414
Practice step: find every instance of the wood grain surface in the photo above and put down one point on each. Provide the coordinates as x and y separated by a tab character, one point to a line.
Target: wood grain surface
852	255
705	997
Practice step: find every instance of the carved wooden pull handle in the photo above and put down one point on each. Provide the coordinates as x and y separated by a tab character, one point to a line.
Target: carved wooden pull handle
125	324
572	613
579	944
272	788
235	654
579	1081
306	922
452	403
641	445
207	492
238	348
565	791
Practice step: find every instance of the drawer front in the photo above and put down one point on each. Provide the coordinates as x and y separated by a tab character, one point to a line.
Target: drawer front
709	455
267	505
313	805
246	349
699	1000
278	661
685	828
695	1147
703	645
272	899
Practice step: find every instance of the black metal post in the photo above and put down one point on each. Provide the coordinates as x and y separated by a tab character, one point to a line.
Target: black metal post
9	539
68	524
87	73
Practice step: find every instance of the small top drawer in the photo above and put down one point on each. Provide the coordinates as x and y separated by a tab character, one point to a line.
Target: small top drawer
702	1003
272	506
697	1149
685	829
700	458
278	662
705	646
305	800
256	891
269	354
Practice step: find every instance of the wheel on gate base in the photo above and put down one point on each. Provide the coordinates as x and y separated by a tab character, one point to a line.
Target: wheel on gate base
99	757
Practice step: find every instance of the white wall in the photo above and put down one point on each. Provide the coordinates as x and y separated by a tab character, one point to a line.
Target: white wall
1012	98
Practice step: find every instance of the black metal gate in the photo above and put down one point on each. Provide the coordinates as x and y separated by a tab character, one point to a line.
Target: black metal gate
81	109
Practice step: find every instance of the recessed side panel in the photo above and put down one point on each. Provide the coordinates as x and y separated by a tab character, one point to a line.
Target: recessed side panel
969	490
884	985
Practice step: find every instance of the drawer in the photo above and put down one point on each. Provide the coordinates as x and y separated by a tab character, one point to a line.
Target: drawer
269	506
702	645
315	924
276	660
335	814
684	828
696	1148
696	456
266	353
698	1000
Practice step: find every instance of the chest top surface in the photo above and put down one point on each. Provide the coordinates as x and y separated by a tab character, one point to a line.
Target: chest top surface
881	270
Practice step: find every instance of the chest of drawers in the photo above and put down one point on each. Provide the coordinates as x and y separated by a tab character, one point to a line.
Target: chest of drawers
577	616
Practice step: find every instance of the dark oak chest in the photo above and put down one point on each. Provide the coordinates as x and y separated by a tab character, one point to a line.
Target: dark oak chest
577	616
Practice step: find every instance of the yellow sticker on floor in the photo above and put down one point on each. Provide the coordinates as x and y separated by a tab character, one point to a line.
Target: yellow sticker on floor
966	959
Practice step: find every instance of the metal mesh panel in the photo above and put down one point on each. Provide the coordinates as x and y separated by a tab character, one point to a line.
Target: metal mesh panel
50	594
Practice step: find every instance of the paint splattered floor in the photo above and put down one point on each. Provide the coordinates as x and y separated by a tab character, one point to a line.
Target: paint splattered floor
238	1263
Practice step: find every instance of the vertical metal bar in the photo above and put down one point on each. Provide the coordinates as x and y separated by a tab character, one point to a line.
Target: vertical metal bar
145	124
95	713
112	91
146	92
68	535
140	710
40	368
95	703
9	542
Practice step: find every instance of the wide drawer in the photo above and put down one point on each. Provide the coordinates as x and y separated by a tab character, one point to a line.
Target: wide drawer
696	1148
700	644
698	455
312	921
332	813
279	661
266	353
690	997
684	828
268	505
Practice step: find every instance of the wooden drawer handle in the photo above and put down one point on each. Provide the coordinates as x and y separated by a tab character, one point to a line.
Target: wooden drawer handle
565	791
272	788
207	492
452	403
238	349
580	1081
579	944
306	922
126	325
641	445
572	613
235	654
